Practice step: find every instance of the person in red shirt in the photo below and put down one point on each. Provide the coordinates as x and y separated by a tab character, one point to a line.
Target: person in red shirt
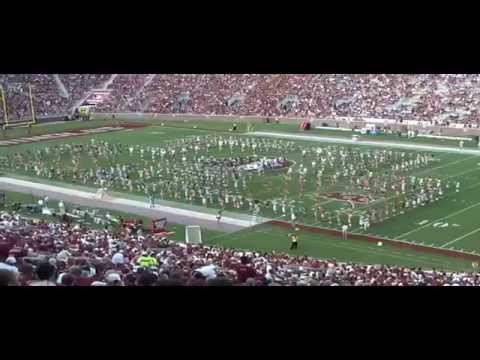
79	278
68	280
26	275
245	270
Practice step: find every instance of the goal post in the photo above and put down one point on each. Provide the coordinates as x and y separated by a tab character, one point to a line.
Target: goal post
7	121
193	234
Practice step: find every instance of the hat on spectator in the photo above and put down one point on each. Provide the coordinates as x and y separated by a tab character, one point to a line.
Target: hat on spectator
118	258
113	277
98	283
52	261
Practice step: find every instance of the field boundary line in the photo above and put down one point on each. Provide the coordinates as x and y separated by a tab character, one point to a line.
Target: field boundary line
366	143
460	238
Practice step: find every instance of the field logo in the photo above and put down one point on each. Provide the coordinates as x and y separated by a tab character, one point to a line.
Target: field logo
355	198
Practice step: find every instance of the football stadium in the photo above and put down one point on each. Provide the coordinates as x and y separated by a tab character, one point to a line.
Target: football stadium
239	180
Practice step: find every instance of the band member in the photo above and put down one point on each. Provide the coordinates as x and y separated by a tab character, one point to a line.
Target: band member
344	231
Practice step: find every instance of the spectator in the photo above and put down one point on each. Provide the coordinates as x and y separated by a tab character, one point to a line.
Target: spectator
7	278
68	280
244	270
45	272
146	260
26	274
147	279
118	258
195	265
113	279
197	279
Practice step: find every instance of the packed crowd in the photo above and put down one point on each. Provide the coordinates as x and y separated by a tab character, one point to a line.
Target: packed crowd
34	253
434	98
49	97
78	85
124	94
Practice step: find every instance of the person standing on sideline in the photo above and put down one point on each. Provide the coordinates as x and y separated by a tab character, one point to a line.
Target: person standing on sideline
294	243
151	198
344	231
219	215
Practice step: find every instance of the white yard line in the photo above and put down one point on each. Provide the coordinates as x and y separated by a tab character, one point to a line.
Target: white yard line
366	143
437	220
460	238
379	200
444	165
468	188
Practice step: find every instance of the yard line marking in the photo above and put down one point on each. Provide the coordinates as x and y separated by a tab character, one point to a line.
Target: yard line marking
383	199
415	147
461	237
434	221
445	165
380	200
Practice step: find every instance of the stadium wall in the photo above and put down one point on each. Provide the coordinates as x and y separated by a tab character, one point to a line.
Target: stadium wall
343	122
47	119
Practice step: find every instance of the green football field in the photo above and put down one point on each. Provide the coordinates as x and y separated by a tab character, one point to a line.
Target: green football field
450	223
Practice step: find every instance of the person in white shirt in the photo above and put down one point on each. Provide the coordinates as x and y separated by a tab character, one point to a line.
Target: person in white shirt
208	271
4	266
61	208
118	258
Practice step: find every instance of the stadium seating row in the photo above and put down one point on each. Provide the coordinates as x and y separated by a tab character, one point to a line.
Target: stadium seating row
54	254
436	98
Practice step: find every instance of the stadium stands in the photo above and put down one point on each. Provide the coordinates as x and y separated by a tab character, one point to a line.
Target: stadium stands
434	98
47	97
78	85
124	90
39	253
49	100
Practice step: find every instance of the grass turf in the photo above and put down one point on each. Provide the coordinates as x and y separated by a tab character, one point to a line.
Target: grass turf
458	210
267	237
